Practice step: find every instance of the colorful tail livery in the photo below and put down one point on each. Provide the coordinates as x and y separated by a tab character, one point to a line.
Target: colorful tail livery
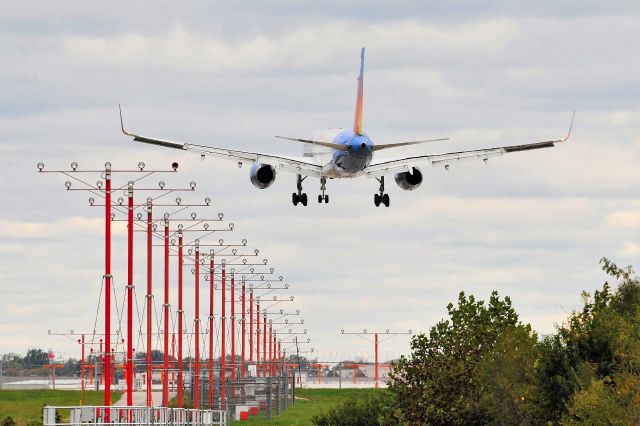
357	124
343	153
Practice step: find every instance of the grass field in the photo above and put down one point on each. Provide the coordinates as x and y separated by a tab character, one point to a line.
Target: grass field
25	406
311	402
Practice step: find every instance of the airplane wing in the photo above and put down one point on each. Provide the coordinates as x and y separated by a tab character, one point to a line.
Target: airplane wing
282	163
406	164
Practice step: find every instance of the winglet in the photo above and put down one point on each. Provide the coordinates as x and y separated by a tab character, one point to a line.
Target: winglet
357	125
566	138
122	124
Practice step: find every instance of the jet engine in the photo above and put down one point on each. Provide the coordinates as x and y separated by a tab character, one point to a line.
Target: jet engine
262	175
409	180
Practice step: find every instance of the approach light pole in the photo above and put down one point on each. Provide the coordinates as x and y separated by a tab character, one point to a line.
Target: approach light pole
107	277
365	335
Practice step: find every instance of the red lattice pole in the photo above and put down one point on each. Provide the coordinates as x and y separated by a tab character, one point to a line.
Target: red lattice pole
250	326
130	297
233	327
264	344
196	379
387	335
107	300
180	321
165	364
211	327
258	366
270	350
223	332
149	299
82	374
375	374
242	371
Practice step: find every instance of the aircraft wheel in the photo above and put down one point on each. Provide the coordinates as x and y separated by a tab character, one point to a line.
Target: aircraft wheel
294	199
385	200
376	200
319	199
303	199
326	199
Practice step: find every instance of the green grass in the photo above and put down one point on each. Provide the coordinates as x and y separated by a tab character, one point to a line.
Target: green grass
311	402
25	406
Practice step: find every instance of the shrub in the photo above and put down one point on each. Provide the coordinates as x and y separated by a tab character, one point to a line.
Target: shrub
363	411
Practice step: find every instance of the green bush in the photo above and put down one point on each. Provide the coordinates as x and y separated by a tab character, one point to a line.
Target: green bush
186	401
363	411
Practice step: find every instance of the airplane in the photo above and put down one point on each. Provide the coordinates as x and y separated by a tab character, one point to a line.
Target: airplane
343	153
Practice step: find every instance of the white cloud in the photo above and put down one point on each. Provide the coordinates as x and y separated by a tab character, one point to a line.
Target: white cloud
182	49
624	219
67	227
532	225
630	249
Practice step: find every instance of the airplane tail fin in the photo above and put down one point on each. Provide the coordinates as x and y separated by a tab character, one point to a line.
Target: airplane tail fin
357	125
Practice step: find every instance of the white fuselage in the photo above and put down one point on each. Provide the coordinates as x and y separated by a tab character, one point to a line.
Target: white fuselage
336	163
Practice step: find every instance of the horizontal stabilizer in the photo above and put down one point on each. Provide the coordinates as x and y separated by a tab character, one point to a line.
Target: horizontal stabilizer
396	145
337	146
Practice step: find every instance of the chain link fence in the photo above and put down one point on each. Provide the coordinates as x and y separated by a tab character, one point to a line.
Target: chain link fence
242	397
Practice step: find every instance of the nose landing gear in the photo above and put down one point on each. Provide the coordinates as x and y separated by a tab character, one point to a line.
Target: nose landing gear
299	197
323	186
381	198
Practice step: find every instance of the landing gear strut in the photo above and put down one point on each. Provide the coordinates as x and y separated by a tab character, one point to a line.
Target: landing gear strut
299	197
323	187
381	197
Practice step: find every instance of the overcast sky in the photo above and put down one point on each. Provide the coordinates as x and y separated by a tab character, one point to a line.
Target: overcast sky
233	74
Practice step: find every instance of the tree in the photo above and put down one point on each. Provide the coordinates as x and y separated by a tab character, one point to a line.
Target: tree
35	358
11	358
602	403
440	382
302	360
602	344
508	381
556	375
156	356
71	368
589	370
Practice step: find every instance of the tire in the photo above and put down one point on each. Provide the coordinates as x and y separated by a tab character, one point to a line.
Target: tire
386	200
319	199
303	199
326	199
376	200
294	199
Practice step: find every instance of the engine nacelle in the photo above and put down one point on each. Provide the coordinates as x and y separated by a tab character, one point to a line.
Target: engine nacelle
262	175
409	181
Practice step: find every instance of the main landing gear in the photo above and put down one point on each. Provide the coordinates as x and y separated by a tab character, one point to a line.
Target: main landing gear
299	197
381	197
323	187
